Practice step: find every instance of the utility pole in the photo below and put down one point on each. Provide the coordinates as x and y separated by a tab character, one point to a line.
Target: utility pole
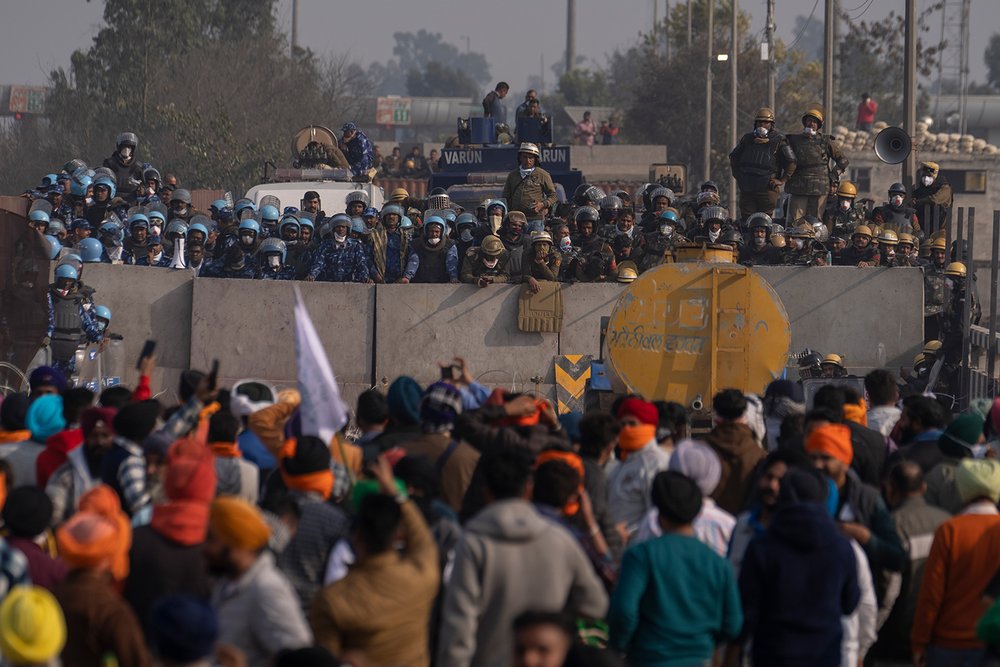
910	87
963	76
770	54
828	66
570	35
733	87
666	29
689	24
295	26
710	56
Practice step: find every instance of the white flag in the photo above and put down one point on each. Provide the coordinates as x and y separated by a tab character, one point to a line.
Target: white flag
323	411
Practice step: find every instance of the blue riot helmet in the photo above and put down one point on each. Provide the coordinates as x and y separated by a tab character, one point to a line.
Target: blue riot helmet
249	231
243	208
288	229
79	224
435	220
39	220
67	271
111	234
218	205
138	219
57	228
269	217
79	185
48	181
359	227
197	228
270	250
102	317
449	216
55	247
176	229
90	250
406	223
306	230
156	214
106	183
340	221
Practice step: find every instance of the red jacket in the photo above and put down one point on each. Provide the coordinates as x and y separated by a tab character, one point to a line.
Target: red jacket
57	448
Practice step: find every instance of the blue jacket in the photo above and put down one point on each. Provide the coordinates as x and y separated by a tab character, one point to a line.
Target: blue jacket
797	580
346	263
360	154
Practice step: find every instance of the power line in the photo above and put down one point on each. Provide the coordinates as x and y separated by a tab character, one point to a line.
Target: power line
805	26
863	12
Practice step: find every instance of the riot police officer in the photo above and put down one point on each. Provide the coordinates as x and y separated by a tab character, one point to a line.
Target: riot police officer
906	251
660	199
832	366
127	170
844	216
661	242
952	323
935	289
758	251
810	185
932	198
70	323
487	263
861	252
896	214
803	249
887	243
271	258
761	163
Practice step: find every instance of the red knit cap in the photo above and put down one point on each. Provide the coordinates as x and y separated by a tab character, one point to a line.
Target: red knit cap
642	410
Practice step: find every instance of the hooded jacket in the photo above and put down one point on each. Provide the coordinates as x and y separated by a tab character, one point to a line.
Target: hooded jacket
57	449
798	579
511	559
739	455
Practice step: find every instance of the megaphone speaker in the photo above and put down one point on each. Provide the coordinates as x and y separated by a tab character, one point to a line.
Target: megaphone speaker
892	145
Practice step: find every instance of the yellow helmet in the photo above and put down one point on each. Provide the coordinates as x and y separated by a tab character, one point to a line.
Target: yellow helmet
814	112
803	230
778	240
398	195
863	230
955	269
888	237
906	239
919	359
939	244
932	347
765	114
627	272
834	359
847	190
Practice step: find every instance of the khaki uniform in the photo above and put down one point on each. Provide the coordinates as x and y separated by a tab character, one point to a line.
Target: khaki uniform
522	193
810	184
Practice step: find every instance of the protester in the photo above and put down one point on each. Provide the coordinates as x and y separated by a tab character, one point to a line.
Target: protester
738	450
630	483
26	516
32	627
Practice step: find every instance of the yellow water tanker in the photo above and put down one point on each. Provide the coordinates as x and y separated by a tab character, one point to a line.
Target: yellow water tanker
681	332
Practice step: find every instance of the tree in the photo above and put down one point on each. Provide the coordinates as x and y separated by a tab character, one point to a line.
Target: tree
418	50
208	87
992	58
440	80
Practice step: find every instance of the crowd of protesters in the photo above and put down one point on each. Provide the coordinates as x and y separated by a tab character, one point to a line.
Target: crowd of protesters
453	525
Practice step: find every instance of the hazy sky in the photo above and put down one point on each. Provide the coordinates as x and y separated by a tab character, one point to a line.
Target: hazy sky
37	35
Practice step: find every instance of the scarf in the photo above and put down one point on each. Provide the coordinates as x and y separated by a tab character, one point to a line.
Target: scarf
181	521
633	438
8	437
226	450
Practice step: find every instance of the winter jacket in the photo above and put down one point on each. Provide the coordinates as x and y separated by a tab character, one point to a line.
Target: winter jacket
511	560
455	461
798	579
68	484
382	607
869	453
57	448
630	483
522	193
739	455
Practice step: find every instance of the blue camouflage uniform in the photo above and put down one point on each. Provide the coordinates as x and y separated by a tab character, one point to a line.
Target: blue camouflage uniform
360	154
286	272
451	263
90	329
218	269
340	263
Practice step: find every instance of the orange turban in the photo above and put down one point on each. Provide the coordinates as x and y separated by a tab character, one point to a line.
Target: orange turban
101	500
238	524
87	541
833	440
856	412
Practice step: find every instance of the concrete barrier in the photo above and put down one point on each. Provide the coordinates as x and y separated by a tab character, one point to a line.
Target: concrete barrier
873	317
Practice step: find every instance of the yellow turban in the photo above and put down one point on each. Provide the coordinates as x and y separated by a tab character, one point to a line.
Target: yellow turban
238	524
32	626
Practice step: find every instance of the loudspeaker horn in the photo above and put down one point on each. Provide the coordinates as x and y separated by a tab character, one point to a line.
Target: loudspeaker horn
893	145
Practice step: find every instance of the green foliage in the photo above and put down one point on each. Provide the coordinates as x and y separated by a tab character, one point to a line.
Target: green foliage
207	85
424	61
992	59
440	80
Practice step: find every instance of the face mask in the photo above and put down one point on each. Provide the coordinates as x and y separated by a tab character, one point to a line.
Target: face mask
491	263
247	239
495	221
466	235
526	172
979	451
890	252
274	261
845	205
101	326
434	241
116	254
666	230
714	235
927	180
62	292
760	132
798	244
157	257
126	152
155	229
637	436
896	200
566	244
340	238
809	132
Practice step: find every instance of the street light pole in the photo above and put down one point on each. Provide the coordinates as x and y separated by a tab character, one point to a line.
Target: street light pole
910	88
708	92
828	65
733	88
770	54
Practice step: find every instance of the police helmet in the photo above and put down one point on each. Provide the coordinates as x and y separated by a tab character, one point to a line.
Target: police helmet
888	237
138	219
709	185
955	269
897	189
38	215
80	223
435	220
181	195
822	233
218	205
834	359
466	220
627	272
103	312
78	186
906	239
932	347
612	203
127	139
492	246
90	250
340	220
48	181
733	236
586	214
809	362
287	221
939	244
764	114
758	220
661	192
108	183
847	190
581	196
273	246
67	271
151	174
54	246
862	230
394	209
251	224
711	213
357	195
406	223
670	215
358	226
497	202
176	229
306	221
801	231
269	213
113	231
197	227
55	226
